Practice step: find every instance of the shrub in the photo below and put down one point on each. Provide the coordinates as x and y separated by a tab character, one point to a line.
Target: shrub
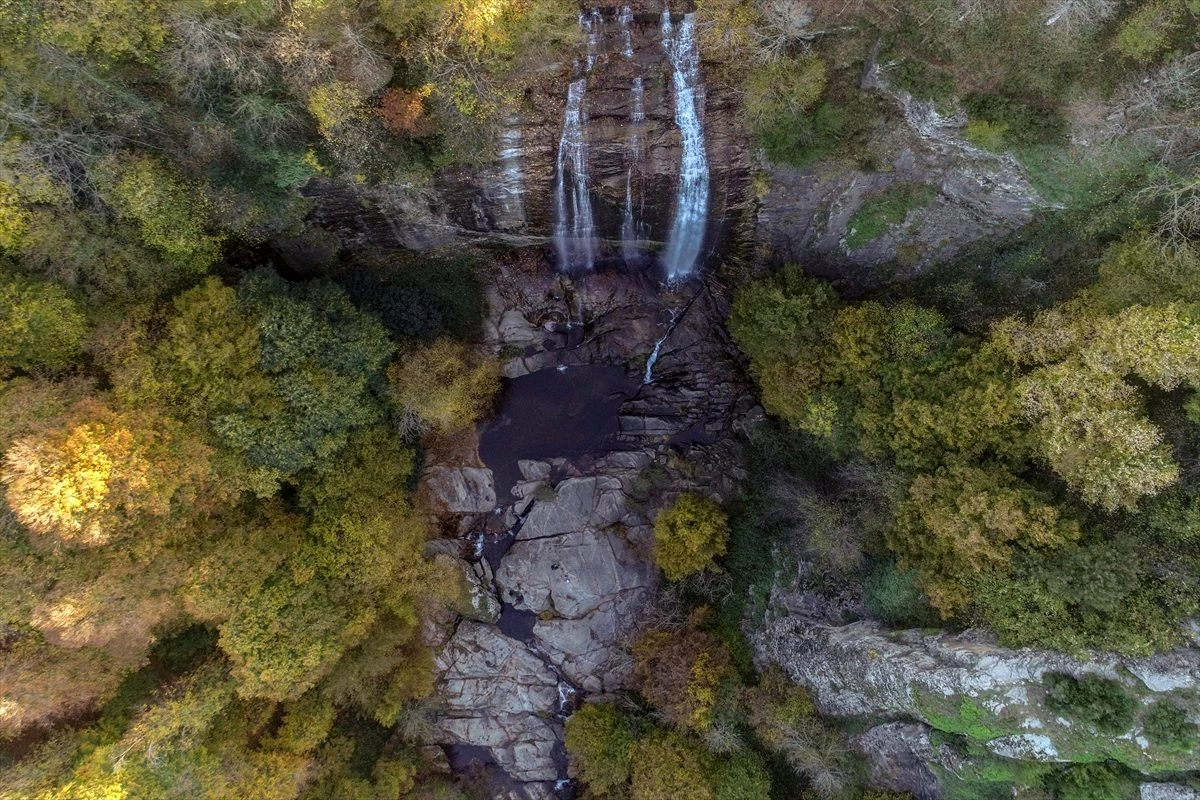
601	742
888	208
442	386
742	777
892	597
923	81
1148	31
783	89
1167	724
988	135
1099	701
1091	782
689	535
1025	122
334	105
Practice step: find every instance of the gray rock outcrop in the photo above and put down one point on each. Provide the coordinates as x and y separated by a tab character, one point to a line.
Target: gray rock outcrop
968	684
500	696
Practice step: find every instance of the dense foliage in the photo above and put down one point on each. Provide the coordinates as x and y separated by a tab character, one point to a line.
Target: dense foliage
1033	439
212	574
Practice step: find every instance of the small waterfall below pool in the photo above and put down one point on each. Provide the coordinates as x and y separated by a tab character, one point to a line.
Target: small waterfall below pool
691	211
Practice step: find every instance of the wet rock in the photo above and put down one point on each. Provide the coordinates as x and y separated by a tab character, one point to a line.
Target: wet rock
499	695
461	490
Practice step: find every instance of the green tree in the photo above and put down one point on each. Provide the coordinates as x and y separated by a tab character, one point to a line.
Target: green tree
280	374
666	766
689	535
601	743
169	214
964	520
40	327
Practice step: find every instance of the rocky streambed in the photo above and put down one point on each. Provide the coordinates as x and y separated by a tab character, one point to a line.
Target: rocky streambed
548	508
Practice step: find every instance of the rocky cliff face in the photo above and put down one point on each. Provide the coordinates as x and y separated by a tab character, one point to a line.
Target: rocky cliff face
965	685
807	215
631	148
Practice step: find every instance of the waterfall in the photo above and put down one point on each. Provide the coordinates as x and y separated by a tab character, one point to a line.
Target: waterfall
626	23
629	227
591	25
511	183
691	210
574	224
648	377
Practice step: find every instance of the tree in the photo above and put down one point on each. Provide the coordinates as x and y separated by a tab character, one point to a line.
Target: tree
40	327
100	474
112	29
601	743
442	386
666	767
682	674
279	374
688	535
169	214
403	112
964	520
1090	432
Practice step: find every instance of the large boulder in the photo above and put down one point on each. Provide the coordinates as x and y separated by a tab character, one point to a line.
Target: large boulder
499	695
461	490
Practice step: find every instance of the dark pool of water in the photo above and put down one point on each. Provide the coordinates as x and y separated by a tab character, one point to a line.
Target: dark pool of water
552	414
517	623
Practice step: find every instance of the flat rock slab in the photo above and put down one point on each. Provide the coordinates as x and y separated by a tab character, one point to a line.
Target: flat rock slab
571	575
499	695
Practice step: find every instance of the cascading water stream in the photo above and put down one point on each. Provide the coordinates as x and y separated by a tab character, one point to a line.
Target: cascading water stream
691	211
574	223
626	23
511	178
629	227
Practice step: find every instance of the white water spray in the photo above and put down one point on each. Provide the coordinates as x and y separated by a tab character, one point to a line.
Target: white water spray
629	227
691	210
626	23
512	183
574	225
